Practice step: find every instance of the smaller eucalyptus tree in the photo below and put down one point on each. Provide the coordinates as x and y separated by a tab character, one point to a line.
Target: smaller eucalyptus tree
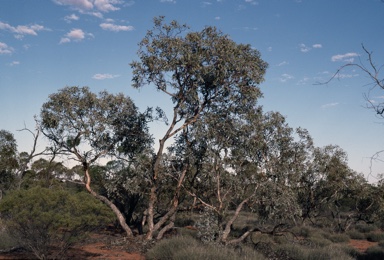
88	127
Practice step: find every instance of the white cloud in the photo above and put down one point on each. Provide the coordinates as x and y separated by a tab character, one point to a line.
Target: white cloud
92	7
107	5
269	48
70	18
104	76
347	57
116	28
304	48
285	77
76	4
252	2
21	30
317	46
75	35
14	63
329	105
205	4
346	76
282	63
217	18
303	81
168	1
5	49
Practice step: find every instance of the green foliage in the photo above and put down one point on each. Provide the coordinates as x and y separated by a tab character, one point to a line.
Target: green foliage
40	218
373	253
375	236
355	234
299	252
188	248
8	160
105	123
6	240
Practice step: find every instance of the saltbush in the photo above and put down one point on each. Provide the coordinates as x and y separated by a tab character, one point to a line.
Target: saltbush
188	248
375	236
41	218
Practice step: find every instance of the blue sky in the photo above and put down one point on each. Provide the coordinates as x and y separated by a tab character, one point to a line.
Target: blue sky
46	45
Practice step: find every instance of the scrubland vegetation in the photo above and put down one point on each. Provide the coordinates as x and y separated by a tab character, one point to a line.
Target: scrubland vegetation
227	180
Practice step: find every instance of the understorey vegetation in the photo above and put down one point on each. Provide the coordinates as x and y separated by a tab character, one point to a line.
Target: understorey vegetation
225	180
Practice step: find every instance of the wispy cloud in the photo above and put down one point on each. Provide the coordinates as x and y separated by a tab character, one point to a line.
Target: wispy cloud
304	48
21	30
285	77
75	35
168	1
92	7
70	18
252	2
14	63
346	76
116	28
330	105
282	63
5	49
104	76
347	57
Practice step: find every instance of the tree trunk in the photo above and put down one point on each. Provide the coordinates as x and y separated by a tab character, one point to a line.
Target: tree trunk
109	203
227	229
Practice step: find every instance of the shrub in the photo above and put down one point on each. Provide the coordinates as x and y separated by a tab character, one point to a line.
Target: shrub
40	218
339	238
329	252
188	248
166	248
355	234
365	228
291	251
373	253
375	236
6	240
319	241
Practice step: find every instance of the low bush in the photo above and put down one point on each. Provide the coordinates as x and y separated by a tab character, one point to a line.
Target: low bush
7	242
375	236
365	228
188	248
41	218
373	253
339	238
298	252
355	234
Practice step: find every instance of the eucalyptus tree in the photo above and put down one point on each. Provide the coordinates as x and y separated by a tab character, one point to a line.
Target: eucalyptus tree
241	162
199	72
87	127
8	160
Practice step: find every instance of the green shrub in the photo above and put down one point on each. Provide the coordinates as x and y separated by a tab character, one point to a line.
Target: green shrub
329	252
365	228
374	253
6	240
339	238
166	248
318	241
355	234
188	248
40	218
291	251
375	236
